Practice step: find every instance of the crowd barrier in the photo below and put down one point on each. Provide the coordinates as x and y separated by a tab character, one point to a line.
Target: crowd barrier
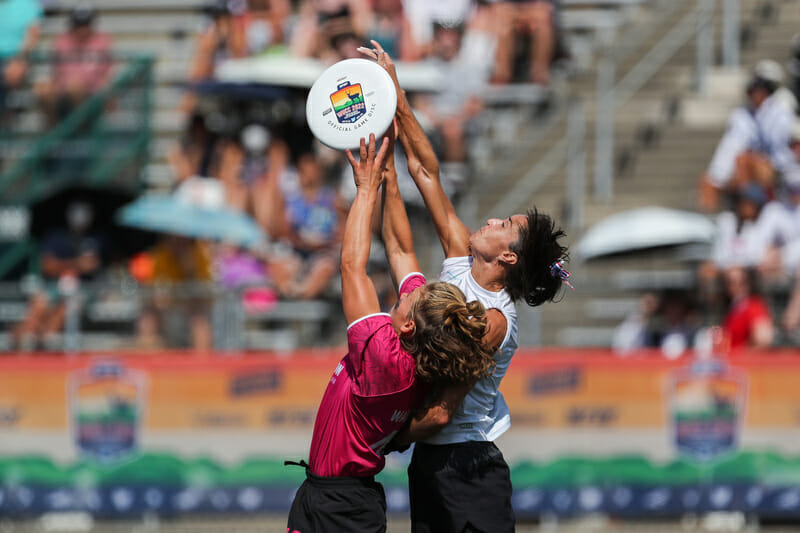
124	434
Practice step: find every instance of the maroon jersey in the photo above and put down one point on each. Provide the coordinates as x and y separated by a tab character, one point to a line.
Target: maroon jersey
368	399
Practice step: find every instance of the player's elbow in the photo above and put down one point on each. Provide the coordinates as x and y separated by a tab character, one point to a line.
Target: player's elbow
440	419
350	267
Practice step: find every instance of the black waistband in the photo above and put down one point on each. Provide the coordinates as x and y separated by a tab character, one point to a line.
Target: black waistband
470	444
340	480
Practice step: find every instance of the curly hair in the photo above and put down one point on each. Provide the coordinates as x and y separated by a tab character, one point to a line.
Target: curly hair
537	248
447	339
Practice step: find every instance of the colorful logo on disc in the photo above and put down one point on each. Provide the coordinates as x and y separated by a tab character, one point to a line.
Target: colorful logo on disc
348	102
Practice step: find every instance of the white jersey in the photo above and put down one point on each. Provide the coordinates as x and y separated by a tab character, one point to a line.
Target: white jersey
483	415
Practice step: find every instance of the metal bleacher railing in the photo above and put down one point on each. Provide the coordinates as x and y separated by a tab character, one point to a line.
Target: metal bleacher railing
103	143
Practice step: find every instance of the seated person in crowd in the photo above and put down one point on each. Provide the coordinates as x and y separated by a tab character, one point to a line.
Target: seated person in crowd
534	19
754	148
197	153
748	322
330	29
217	42
745	237
464	54
180	278
309	225
263	25
19	33
251	166
790	254
667	321
69	255
389	26
82	65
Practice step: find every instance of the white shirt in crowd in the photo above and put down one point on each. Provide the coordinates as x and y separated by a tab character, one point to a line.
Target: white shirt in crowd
767	130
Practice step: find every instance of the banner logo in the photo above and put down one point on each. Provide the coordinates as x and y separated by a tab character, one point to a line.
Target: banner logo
706	404
106	404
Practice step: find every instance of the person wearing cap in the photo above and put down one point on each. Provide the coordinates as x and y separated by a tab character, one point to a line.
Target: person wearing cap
754	147
82	64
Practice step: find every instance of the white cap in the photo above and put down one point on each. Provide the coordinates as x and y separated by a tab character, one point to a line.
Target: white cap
769	70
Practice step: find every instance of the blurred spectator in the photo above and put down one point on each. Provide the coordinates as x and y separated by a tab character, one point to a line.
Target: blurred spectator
794	67
754	148
181	277
82	64
197	153
424	15
390	27
748	322
250	167
217	42
744	237
263	25
240	269
330	30
466	55
790	254
667	321
527	20
19	33
310	226
69	255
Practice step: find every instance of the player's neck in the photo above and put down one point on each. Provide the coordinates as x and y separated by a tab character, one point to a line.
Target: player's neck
490	276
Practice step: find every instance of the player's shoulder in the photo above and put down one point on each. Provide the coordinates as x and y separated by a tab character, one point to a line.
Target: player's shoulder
454	268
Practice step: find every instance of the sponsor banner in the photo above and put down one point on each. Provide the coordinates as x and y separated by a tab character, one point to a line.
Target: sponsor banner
544	389
178	433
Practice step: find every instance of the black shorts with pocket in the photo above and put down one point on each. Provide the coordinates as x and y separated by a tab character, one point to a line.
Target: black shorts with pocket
462	487
330	504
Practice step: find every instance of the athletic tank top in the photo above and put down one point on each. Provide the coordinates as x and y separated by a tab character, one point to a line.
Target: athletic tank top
483	415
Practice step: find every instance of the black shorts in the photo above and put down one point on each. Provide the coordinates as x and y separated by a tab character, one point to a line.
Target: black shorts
330	504
464	487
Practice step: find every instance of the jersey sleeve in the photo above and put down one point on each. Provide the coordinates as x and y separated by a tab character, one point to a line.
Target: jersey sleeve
360	335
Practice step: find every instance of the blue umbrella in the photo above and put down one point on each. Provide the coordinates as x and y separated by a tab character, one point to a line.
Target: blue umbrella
168	214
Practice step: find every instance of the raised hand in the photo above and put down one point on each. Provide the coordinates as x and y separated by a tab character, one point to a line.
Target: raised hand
384	60
368	171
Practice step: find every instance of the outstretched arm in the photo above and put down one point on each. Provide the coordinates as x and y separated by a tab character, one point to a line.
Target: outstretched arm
359	297
424	167
395	228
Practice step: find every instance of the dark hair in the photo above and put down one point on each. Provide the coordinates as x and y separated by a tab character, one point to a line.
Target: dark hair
537	249
758	82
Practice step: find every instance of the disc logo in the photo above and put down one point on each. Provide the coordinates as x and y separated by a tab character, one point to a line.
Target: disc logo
106	404
707	401
348	102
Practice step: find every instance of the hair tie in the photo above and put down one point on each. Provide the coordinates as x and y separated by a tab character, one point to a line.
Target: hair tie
557	270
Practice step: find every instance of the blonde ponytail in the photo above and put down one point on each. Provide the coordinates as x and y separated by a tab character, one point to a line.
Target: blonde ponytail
447	342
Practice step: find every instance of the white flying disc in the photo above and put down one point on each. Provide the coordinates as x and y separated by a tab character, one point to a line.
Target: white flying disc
350	100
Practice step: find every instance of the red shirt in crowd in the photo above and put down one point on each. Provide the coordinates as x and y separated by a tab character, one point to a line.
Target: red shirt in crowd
740	320
369	397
